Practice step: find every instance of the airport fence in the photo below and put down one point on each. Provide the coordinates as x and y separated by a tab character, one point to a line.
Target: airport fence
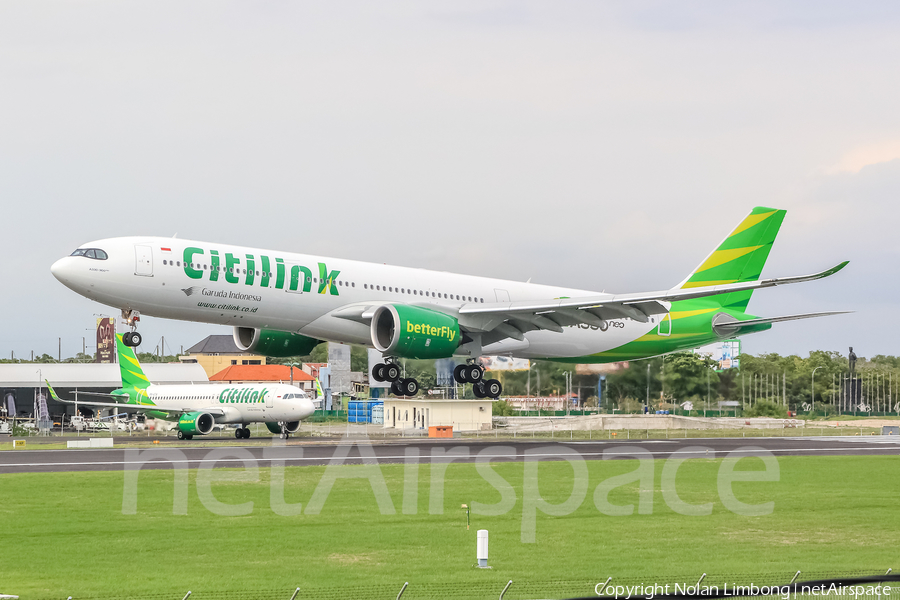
853	585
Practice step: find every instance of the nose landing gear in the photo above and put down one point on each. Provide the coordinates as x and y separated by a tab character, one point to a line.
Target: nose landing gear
132	338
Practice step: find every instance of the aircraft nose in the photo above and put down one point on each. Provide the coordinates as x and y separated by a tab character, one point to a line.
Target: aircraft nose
308	407
60	270
67	272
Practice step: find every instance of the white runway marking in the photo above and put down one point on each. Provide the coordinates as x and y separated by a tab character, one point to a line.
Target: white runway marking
424	458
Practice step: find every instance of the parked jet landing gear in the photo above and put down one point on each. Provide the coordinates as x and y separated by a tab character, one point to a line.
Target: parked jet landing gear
242	433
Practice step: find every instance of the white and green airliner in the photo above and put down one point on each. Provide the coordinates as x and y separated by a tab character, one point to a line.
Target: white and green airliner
197	408
283	303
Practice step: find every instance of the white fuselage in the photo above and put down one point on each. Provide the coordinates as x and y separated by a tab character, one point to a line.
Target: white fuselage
240	403
249	287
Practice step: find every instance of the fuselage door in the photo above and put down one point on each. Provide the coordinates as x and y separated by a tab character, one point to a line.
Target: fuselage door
143	261
270	400
502	295
665	326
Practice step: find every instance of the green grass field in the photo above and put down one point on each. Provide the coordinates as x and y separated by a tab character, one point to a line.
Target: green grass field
66	534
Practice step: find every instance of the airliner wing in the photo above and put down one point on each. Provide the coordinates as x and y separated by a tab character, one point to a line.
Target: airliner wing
500	320
512	319
102	395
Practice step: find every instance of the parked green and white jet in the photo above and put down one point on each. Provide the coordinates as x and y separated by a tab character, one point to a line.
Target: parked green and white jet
283	304
197	408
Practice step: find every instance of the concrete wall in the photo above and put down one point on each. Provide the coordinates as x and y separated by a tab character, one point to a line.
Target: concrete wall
623	422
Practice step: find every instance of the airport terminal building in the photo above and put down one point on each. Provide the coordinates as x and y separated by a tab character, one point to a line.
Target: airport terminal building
23	384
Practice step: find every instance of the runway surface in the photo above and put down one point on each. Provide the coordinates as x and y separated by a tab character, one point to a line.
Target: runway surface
358	451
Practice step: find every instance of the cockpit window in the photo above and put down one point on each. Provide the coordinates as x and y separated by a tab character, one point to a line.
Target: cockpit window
95	253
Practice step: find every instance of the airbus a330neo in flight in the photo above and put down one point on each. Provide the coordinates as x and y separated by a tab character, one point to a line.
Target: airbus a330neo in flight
197	408
283	304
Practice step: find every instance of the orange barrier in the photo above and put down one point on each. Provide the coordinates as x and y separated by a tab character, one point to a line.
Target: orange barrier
440	431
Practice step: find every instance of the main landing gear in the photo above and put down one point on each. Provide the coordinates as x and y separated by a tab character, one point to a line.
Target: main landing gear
131	338
400	386
474	374
463	374
242	433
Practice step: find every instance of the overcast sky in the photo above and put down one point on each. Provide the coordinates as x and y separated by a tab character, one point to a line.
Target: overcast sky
601	145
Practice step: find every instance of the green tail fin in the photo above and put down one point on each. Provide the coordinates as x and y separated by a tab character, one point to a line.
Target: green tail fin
740	257
132	374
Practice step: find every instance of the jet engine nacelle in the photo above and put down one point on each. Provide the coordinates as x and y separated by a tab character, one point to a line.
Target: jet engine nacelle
289	427
269	342
196	423
413	332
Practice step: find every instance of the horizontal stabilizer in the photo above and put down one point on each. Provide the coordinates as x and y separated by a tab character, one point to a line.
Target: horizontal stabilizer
727	325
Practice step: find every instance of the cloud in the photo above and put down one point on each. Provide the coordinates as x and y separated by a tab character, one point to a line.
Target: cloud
591	145
860	157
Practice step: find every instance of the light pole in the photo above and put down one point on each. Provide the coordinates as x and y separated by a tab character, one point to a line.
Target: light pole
812	391
37	403
648	384
292	365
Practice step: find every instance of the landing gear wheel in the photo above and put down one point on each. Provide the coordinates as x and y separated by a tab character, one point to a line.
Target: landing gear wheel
181	435
473	373
459	374
378	372
246	434
492	388
126	338
478	390
396	389
136	339
391	372
284	436
239	433
410	387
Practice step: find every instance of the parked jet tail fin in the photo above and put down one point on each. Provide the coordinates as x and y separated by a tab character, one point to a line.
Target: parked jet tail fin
132	373
726	325
740	257
53	392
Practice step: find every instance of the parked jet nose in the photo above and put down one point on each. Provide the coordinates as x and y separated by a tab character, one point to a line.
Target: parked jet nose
307	408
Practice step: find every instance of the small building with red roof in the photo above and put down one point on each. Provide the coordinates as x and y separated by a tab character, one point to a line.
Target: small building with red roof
266	374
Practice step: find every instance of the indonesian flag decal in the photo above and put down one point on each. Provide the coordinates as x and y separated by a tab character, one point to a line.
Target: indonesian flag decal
166	249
